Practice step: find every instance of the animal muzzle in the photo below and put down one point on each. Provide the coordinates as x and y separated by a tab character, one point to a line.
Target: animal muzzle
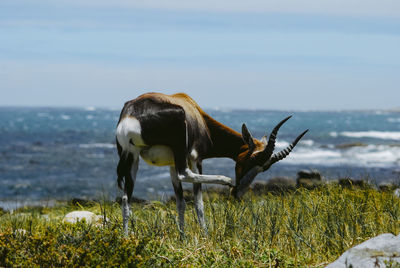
244	183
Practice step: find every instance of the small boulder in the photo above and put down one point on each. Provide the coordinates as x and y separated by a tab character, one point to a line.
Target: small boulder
379	251
309	179
87	216
386	186
351	145
20	232
277	185
352	183
397	192
309	174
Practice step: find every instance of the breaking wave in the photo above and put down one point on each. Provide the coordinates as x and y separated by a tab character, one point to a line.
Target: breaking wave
360	156
97	145
385	135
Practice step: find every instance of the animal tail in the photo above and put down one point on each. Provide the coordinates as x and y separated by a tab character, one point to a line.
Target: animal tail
124	171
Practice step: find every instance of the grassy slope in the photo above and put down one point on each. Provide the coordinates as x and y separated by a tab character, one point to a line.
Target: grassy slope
304	228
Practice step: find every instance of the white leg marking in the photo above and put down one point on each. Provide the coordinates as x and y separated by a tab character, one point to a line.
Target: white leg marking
126	212
189	176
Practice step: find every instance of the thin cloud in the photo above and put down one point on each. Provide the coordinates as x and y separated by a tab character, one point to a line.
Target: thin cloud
388	8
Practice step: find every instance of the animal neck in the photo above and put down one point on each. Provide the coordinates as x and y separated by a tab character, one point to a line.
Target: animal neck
226	142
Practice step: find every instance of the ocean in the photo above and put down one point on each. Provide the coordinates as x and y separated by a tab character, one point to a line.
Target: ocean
49	154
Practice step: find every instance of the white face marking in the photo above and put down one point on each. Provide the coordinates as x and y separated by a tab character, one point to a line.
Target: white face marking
129	129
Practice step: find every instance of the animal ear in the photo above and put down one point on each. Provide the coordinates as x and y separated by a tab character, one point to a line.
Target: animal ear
248	138
264	140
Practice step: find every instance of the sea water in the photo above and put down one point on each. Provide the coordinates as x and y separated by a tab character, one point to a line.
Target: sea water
62	153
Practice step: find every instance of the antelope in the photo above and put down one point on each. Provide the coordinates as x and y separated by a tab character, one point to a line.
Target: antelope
172	130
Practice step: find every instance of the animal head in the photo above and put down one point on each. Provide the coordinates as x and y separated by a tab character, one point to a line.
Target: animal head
257	156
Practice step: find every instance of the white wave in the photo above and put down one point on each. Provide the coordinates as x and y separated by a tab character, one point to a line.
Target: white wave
307	142
90	108
393	120
333	134
284	144
378	156
44	115
97	145
281	144
65	117
368	156
89	117
385	135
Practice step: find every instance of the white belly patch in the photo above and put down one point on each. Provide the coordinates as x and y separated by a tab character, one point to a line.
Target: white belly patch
158	155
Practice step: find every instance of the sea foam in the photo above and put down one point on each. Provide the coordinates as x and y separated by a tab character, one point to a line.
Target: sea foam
385	135
367	156
97	145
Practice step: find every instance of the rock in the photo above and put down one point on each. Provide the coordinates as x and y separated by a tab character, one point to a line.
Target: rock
309	179
278	185
309	174
350	183
281	184
371	253
350	145
386	186
20	232
309	183
397	192
89	217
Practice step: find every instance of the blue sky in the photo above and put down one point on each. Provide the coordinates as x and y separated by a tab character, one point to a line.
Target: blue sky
303	55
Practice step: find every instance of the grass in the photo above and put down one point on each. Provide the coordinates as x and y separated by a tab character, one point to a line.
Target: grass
304	228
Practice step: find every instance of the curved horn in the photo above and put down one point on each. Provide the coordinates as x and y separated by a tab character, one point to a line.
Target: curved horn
285	152
269	149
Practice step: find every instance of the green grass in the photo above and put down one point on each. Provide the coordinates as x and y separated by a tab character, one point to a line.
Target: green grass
305	228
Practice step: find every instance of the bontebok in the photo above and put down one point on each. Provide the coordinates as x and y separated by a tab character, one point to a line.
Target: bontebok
172	130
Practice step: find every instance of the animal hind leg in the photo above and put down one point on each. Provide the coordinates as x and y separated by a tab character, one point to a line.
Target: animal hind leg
180	201
128	166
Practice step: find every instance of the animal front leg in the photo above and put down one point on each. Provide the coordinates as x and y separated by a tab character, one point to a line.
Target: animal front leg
189	176
199	205
198	196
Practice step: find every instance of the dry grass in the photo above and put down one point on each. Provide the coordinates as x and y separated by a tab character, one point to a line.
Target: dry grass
305	228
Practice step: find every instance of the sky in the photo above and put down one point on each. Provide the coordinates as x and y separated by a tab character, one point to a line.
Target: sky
254	54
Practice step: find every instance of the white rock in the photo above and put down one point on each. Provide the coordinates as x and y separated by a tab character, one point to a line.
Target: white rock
89	217
397	192
20	231
371	253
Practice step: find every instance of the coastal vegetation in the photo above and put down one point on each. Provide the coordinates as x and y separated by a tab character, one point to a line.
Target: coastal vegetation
298	228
